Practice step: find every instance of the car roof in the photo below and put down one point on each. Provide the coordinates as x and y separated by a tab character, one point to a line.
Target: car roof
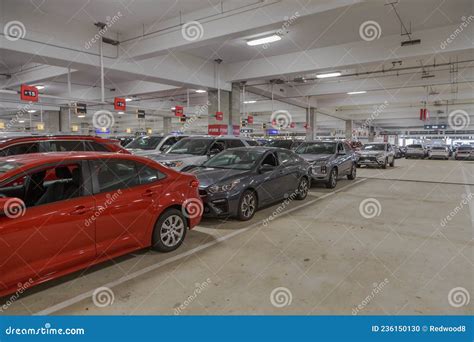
50	137
258	148
32	160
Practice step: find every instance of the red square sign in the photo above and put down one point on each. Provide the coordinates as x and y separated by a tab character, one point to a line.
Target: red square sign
219	116
179	111
120	103
28	93
250	119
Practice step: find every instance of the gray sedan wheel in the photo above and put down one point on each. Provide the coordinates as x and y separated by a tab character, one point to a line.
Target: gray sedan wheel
247	206
332	181
303	188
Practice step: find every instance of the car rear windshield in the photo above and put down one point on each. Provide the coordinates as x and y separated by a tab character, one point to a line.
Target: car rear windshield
281	143
415	146
439	148
196	147
6	166
317	148
465	148
145	143
234	159
374	147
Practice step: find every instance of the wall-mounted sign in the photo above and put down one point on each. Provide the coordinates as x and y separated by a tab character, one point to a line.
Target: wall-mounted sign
149	131
246	130
179	111
217	129
236	130
440	126
102	130
250	119
2	125
120	104
182	119
128	130
219	116
243	122
40	126
28	93
75	128
140	114
80	109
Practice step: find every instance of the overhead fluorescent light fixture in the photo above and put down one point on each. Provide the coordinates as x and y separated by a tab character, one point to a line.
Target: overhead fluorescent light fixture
250	101
81	116
21	121
173	108
32	111
40	87
264	40
128	99
328	75
356	92
121	113
201	91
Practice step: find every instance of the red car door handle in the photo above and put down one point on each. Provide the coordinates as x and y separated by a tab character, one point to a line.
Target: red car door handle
79	210
148	193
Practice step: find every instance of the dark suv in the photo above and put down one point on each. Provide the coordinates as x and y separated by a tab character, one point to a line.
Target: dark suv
10	146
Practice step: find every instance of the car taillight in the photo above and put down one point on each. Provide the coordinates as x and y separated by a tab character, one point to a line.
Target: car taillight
194	183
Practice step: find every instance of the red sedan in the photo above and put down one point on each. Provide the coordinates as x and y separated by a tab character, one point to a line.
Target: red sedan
62	212
10	146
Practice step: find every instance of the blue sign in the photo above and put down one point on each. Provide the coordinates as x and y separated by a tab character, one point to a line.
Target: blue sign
272	131
102	131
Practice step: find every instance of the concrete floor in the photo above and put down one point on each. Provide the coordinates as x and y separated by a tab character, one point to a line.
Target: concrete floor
323	251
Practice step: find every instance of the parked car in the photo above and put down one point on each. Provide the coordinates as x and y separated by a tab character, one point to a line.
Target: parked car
399	153
63	212
237	181
123	139
439	152
376	154
289	144
145	144
57	143
464	152
329	160
416	151
196	150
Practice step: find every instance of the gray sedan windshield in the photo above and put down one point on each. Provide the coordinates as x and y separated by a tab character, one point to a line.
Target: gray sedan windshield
234	159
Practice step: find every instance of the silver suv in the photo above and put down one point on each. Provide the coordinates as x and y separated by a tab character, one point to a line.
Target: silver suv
151	144
329	160
416	151
376	154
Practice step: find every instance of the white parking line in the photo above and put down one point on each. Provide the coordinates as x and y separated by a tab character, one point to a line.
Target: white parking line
153	267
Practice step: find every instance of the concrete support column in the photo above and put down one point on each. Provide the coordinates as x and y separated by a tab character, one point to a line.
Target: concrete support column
371	133
167	125
64	124
51	121
348	129
229	106
311	122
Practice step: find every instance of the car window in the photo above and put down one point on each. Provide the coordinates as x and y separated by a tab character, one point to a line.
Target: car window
347	148
95	146
270	159
168	143
53	184
24	148
286	158
148	175
340	148
66	145
217	146
230	143
113	175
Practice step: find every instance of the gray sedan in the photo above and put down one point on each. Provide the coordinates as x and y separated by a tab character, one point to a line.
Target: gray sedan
329	160
238	181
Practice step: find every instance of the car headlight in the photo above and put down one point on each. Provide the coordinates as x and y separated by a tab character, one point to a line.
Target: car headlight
176	163
380	155
224	187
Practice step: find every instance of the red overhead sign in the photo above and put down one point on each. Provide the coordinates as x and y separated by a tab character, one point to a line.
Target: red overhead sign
292	125
178	111
219	116
120	104
250	119
217	130
28	93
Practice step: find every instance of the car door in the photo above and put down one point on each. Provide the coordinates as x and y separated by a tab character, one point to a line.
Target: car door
289	171
271	186
52	234
344	160
124	204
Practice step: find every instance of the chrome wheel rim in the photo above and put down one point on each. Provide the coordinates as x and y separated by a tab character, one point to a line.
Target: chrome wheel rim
172	230
354	171
248	205
303	188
